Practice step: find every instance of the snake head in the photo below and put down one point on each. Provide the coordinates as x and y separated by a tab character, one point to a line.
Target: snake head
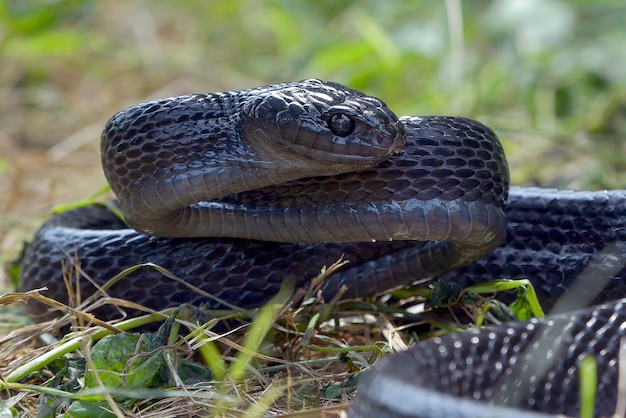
320	126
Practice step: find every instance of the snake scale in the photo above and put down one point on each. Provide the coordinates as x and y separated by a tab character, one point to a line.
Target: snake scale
290	177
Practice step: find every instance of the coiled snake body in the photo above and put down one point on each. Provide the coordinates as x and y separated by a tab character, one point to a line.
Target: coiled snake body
290	177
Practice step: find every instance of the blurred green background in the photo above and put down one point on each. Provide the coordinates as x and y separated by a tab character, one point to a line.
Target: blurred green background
548	76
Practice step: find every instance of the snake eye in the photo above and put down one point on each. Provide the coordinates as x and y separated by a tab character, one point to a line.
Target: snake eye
341	125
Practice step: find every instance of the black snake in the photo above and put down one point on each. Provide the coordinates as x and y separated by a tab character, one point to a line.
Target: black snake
291	177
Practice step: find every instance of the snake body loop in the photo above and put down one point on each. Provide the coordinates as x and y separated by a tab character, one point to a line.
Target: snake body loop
289	178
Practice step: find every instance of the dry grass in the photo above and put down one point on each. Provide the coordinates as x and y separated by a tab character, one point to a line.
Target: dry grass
304	362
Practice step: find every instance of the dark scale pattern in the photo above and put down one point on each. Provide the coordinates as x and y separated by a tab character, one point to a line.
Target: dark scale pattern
128	149
245	273
443	158
170	136
531	366
552	237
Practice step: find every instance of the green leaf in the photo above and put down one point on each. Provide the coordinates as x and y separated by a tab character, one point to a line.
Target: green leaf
94	199
86	409
522	307
119	362
527	304
190	372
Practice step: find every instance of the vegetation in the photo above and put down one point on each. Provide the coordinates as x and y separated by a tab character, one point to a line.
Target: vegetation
547	75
